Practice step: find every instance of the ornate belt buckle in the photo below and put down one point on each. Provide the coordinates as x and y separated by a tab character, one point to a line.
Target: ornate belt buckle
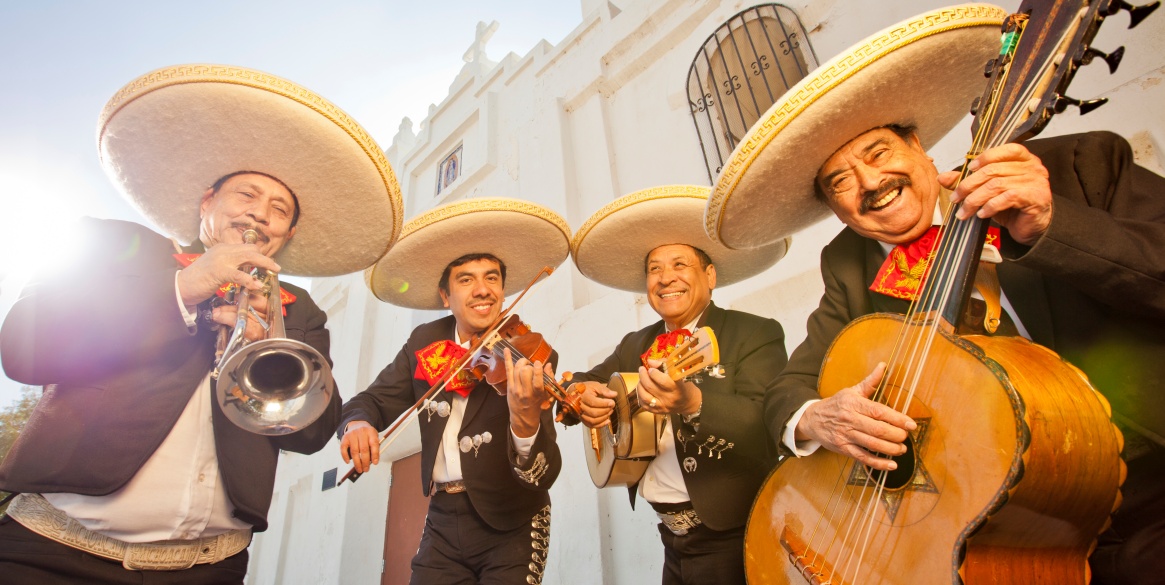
679	523
453	487
148	556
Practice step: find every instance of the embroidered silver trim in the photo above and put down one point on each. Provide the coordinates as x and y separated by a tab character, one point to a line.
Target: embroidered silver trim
475	442
536	471
689	464
540	542
714	446
436	406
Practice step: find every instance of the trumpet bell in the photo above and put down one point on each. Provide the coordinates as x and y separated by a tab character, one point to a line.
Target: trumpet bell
274	386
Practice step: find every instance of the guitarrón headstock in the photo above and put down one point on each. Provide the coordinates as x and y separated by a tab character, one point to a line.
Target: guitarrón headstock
1044	43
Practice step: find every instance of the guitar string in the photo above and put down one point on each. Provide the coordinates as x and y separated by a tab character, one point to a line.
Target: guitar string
965	230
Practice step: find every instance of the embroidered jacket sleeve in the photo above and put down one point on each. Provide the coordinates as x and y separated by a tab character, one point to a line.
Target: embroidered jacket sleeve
540	467
840	304
733	407
387	397
1107	235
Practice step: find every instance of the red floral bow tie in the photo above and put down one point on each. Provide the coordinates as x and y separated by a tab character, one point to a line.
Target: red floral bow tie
436	359
285	298
902	272
664	345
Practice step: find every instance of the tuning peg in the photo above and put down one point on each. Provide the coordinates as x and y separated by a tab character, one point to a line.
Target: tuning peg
975	106
1113	59
989	69
1136	13
1086	106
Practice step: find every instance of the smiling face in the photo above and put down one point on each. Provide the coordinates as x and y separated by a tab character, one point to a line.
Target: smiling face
881	186
678	288
475	295
248	201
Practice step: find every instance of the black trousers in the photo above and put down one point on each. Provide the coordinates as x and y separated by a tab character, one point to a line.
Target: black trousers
1132	551
27	558
458	547
703	556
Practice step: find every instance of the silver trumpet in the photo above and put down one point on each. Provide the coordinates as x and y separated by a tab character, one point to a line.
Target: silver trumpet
272	386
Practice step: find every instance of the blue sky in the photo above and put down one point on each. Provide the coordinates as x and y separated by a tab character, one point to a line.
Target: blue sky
60	62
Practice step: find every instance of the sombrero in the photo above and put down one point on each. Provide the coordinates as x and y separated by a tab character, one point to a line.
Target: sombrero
922	72
611	246
523	235
170	134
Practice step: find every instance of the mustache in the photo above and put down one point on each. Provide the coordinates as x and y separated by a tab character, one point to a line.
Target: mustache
870	197
243	225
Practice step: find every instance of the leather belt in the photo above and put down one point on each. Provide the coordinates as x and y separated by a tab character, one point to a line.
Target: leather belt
679	523
38	515
453	487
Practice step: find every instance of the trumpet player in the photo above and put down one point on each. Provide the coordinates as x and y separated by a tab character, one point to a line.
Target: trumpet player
129	470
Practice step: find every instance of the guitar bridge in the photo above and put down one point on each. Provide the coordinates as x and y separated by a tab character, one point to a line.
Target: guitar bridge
811	565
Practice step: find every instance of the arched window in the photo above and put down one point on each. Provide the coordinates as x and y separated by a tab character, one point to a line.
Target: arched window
740	71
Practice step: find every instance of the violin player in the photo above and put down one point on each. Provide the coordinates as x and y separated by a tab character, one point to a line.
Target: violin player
1082	250
713	454
488	460
129	471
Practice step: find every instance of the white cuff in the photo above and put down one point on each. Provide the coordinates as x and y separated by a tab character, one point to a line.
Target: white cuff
789	437
191	319
522	446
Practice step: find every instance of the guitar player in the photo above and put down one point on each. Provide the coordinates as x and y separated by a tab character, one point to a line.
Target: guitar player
712	456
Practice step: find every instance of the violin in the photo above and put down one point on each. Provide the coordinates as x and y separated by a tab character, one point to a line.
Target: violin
513	334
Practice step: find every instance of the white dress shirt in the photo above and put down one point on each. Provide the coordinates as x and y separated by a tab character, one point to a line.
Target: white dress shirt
447	466
177	494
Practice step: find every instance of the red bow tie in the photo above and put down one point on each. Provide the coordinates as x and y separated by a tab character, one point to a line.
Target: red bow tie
285	298
901	274
664	345
436	359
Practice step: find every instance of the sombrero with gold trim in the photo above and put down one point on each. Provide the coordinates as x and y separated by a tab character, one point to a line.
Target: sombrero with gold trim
524	235
611	246
923	72
170	134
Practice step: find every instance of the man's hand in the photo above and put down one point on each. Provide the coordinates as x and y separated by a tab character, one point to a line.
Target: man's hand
660	394
218	266
525	394
851	424
360	445
597	404
1008	184
227	315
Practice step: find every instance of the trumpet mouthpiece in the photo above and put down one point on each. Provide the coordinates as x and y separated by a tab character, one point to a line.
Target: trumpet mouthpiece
250	237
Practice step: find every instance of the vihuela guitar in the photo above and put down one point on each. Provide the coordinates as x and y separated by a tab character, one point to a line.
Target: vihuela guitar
618	454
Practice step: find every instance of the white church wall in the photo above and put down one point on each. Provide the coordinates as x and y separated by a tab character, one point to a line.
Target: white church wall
572	126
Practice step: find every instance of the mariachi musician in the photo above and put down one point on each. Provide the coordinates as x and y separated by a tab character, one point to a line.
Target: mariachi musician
713	452
487	460
128	464
1081	252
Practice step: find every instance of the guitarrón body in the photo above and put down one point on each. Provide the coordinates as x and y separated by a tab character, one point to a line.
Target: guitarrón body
957	508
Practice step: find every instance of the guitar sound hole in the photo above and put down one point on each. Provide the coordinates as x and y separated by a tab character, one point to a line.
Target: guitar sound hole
898	478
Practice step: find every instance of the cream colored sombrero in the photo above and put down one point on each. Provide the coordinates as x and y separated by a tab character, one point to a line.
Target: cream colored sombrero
170	134
611	246
923	72
523	235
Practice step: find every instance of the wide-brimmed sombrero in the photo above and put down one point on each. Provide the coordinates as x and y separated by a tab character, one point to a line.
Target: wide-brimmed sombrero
922	72
170	134
523	235
611	246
